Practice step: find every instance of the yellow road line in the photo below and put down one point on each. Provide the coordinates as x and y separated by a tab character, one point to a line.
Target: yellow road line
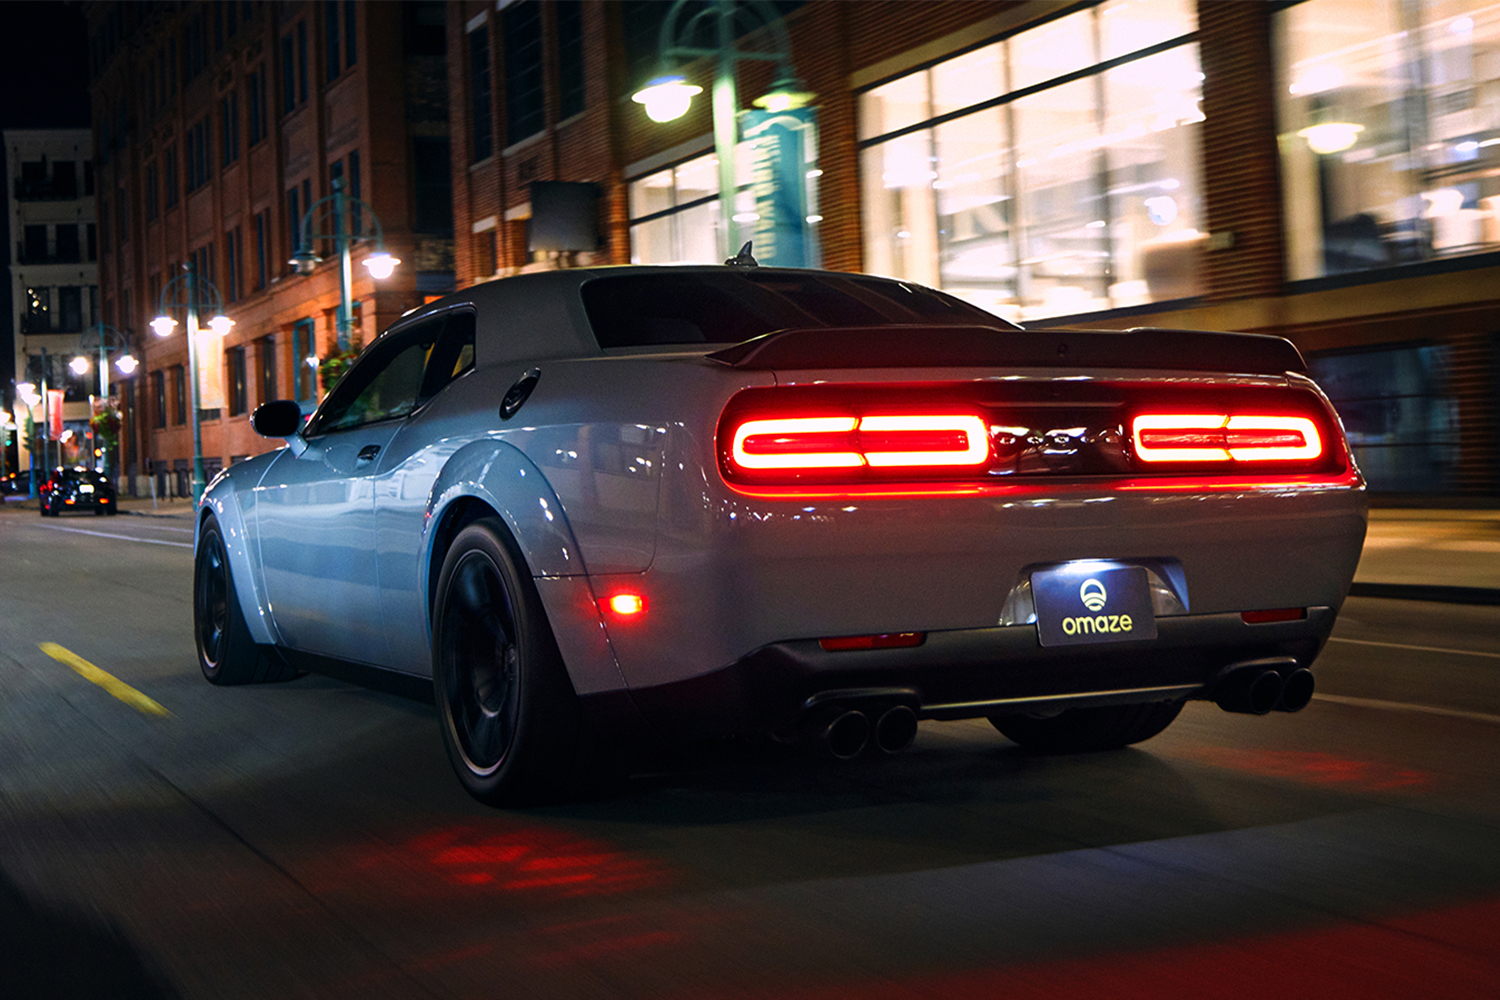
107	681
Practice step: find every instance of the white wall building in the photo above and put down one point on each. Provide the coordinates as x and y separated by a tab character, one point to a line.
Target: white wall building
54	279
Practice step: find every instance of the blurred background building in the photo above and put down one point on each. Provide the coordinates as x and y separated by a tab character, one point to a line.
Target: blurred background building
54	287
1326	170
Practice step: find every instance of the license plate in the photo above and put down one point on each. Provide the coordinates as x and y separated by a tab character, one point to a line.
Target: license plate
1092	604
85	488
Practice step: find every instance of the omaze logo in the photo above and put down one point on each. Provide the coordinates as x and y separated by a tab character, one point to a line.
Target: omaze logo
1093	595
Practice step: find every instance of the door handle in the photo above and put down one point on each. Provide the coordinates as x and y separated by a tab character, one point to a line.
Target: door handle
368	453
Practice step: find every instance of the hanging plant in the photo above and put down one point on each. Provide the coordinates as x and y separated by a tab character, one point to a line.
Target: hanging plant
106	424
332	367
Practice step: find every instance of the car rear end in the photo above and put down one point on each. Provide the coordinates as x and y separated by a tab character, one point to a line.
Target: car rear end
951	522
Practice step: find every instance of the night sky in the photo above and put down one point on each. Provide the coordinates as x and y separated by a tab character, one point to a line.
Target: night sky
43	84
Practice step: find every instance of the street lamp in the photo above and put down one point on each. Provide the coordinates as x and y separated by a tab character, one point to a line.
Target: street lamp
344	231
108	339
667	96
189	290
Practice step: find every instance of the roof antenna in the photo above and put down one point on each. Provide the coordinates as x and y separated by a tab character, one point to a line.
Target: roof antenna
743	258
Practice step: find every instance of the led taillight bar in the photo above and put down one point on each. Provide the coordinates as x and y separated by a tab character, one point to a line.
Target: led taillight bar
1222	437
888	441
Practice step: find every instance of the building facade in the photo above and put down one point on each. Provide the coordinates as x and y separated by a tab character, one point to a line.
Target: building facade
221	131
1326	170
55	289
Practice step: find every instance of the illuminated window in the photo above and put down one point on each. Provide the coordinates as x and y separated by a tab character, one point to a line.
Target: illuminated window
1390	132
1062	186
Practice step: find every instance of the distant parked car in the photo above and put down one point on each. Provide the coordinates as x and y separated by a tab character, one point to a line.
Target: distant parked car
78	489
17	485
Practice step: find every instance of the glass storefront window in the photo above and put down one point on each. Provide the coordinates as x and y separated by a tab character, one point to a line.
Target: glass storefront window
1390	132
1073	197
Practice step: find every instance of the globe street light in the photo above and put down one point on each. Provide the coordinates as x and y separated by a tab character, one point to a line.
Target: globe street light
344	231
108	339
668	95
187	290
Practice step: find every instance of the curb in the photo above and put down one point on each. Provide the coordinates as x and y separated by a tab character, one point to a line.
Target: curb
1427	592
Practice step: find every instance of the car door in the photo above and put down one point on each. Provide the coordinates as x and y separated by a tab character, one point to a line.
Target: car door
408	468
316	510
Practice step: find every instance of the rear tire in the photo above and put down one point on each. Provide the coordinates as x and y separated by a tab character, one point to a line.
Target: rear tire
226	653
510	719
1086	730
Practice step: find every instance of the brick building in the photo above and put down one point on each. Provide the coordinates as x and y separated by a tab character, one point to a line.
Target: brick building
218	126
1323	170
1328	170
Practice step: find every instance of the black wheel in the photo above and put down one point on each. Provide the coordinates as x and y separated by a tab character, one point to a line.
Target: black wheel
510	719
1084	730
226	653
112	510
99	511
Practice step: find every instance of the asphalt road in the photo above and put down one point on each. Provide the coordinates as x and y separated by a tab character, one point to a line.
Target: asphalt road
308	840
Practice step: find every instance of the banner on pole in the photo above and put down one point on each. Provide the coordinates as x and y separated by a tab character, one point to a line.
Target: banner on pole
782	143
210	370
54	414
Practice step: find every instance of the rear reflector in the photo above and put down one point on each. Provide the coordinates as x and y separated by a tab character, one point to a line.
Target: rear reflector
888	640
889	441
1273	615
1222	437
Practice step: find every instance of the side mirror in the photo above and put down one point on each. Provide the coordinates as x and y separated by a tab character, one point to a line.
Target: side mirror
280	418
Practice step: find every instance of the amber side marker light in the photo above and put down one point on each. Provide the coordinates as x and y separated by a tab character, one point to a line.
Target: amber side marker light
1273	615
887	640
1222	437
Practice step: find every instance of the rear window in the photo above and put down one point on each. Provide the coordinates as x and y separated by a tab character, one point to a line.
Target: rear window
726	307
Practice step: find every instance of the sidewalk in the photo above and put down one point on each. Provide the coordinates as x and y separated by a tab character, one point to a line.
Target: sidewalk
1431	554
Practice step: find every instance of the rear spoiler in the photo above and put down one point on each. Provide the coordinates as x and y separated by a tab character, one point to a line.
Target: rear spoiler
920	346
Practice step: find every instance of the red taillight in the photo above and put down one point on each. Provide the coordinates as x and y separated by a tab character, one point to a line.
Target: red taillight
876	440
1221	437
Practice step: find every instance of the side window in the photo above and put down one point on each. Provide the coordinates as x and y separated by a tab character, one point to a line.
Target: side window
383	384
452	356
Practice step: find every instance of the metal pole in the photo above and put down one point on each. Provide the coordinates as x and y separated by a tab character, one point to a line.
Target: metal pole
192	332
346	276
46	418
103	401
726	125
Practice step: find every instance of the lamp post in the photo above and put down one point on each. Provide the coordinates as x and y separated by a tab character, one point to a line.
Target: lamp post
668	95
26	394
188	290
345	231
109	338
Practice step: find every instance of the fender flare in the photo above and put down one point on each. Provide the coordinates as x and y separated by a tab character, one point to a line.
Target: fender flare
222	500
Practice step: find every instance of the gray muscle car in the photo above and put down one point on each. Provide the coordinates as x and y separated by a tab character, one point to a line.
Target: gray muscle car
689	502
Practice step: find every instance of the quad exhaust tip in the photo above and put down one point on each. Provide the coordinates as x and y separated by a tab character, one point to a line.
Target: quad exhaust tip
850	731
1261	686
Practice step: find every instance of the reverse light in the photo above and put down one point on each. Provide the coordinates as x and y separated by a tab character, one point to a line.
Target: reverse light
1222	437
889	441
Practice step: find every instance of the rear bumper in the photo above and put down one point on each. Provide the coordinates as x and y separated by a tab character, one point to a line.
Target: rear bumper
969	673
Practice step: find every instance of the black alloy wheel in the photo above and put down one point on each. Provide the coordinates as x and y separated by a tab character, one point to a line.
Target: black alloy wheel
226	653
510	719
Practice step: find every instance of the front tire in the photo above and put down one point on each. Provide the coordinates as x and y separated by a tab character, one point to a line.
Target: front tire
226	653
1086	730
509	716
